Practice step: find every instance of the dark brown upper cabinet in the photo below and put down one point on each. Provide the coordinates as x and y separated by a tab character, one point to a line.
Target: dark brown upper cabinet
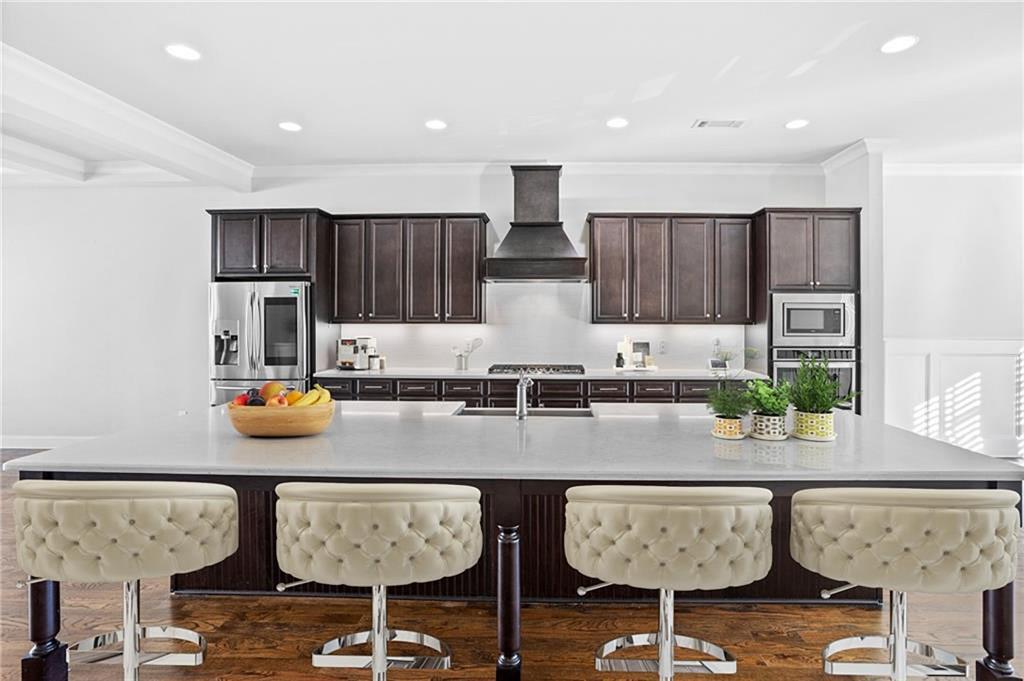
610	269
651	262
733	253
384	265
263	244
693	260
416	269
423	243
813	250
463	255
349	249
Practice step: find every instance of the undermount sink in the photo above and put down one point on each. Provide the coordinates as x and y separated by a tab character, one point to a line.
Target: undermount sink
530	413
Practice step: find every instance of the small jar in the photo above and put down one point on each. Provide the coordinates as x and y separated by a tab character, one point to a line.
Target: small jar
374	362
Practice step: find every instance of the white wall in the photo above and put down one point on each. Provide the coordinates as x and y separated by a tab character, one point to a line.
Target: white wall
104	288
954	304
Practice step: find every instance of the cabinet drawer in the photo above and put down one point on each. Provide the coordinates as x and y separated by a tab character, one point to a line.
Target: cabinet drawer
559	388
501	402
337	387
503	388
407	388
608	389
371	386
696	391
652	400
462	388
561	403
603	398
654	389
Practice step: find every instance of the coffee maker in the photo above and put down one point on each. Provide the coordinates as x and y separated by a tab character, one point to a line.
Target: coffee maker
354	353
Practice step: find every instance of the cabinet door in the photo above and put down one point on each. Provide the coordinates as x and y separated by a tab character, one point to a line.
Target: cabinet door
463	291
790	251
349	283
423	270
384	270
238	244
693	255
650	270
609	260
284	244
732	271
835	252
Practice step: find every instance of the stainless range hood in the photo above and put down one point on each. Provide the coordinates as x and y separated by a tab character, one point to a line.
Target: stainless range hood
536	248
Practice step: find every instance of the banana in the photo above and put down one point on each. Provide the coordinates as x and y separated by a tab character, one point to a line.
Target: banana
309	398
325	395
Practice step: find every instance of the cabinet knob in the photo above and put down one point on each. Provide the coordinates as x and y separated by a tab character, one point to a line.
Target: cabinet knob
708	315
371	314
719	315
625	315
436	315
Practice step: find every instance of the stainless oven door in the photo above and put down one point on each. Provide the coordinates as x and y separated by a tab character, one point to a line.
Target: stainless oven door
813	320
844	372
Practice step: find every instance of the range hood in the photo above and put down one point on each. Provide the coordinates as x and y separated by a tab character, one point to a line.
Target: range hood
536	248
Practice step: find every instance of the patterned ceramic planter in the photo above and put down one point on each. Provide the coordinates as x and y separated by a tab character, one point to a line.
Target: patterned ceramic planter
728	429
768	427
816	427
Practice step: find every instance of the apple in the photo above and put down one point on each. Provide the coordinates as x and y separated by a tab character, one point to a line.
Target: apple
277	401
241	400
272	389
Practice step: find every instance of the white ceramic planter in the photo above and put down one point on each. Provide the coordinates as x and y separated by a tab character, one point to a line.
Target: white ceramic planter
768	427
728	429
814	427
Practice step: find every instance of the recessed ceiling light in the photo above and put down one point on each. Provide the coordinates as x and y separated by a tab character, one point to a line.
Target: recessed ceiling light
900	43
617	122
290	126
180	51
797	123
436	124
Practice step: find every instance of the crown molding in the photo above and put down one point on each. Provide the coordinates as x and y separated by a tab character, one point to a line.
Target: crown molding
36	92
859	149
953	169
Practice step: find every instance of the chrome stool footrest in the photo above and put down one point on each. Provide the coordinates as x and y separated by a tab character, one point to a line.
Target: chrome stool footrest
324	657
97	649
941	662
724	662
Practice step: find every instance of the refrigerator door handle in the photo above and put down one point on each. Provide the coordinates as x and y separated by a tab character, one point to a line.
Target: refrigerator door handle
249	327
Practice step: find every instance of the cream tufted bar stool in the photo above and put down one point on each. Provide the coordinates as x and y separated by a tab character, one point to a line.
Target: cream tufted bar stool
123	532
377	535
670	539
931	541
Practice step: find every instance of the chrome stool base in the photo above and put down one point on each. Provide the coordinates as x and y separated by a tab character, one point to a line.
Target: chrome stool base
378	637
323	657
898	668
724	662
665	639
96	649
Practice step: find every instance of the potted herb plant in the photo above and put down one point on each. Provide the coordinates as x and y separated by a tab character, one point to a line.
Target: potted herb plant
814	394
729	404
770	403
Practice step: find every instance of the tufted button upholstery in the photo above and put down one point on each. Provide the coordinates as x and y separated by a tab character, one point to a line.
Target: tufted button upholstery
932	541
377	534
677	538
118	531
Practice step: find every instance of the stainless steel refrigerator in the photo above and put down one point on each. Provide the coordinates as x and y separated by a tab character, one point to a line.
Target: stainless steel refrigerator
259	331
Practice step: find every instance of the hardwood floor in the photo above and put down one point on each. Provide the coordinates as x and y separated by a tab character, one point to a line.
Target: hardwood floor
271	638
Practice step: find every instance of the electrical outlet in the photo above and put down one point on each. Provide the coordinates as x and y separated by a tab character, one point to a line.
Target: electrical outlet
662	347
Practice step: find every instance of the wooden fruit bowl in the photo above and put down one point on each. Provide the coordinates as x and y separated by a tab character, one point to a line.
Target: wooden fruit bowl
281	421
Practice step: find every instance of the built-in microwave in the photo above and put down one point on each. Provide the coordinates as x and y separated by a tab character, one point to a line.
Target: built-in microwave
814	320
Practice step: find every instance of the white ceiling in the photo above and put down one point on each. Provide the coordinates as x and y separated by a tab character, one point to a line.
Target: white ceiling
537	81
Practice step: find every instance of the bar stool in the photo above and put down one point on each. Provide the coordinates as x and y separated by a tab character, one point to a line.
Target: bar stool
117	531
670	539
377	535
922	540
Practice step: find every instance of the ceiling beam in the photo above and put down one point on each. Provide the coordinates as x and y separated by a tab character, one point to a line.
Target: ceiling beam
38	93
18	153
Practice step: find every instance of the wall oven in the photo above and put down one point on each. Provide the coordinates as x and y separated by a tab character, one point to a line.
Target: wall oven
258	331
814	320
842	364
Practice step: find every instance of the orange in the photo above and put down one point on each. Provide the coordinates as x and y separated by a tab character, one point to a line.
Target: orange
293	396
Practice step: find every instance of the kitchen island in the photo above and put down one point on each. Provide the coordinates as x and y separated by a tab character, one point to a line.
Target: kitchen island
523	469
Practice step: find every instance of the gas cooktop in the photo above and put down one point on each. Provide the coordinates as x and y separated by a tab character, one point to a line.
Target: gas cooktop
536	369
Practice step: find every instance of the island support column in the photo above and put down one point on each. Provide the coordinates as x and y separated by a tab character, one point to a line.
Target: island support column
508	511
47	660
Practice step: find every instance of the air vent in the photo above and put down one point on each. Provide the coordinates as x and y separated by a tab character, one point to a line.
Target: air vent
706	123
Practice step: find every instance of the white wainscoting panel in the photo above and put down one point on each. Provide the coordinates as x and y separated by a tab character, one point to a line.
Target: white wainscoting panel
966	392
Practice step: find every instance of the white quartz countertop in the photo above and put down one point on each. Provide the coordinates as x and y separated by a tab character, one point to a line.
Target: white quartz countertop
590	375
625	442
